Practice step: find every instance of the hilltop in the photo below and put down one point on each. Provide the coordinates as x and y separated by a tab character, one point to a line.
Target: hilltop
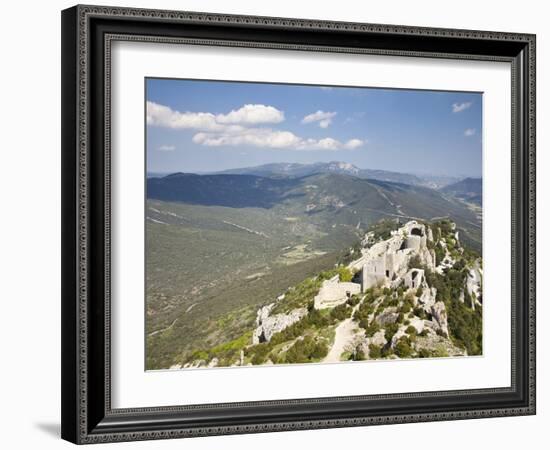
407	290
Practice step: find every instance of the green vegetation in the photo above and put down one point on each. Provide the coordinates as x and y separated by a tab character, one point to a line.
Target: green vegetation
365	309
438	352
303	293
411	331
209	268
390	330
227	353
386	352
465	324
403	348
341	312
310	336
344	273
359	354
354	300
383	228
375	351
306	350
372	329
415	263
300	295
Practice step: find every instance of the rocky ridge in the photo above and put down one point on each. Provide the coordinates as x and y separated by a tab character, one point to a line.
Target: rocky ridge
410	291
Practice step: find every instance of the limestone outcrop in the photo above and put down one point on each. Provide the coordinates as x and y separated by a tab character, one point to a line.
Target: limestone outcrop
268	325
427	299
473	284
394	311
439	314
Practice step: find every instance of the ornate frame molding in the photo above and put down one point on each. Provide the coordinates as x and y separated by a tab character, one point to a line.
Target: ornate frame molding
86	421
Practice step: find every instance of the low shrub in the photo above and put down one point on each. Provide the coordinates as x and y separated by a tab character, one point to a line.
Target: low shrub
375	351
371	329
403	348
390	330
341	312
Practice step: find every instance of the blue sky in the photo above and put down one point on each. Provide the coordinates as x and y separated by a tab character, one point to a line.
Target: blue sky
205	126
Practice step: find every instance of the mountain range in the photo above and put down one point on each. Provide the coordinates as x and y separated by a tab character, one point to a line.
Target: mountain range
339	167
321	198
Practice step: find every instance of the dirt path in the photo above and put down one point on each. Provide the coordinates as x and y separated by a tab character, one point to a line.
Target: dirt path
345	334
164	329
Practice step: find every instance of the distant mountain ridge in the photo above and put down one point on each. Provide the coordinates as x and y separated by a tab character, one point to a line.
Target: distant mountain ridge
231	190
324	198
339	167
468	189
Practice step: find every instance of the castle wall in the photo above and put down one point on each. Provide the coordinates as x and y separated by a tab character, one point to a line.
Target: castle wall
383	260
415	242
334	293
372	280
413	278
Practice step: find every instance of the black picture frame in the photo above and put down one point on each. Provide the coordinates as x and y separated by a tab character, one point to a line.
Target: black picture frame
87	32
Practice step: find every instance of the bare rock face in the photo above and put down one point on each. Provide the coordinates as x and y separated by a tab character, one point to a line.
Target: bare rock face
430	235
439	314
389	315
195	364
378	339
417	323
214	362
442	346
428	297
269	325
263	313
473	284
427	257
398	335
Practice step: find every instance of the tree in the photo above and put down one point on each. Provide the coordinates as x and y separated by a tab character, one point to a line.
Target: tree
390	330
375	352
320	350
403	348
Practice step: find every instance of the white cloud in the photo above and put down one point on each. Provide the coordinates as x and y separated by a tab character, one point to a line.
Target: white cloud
166	148
326	88
459	107
257	137
352	144
164	116
274	139
324	118
469	132
234	128
252	115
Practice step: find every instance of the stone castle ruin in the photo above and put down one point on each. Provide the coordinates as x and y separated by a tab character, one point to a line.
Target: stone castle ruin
333	292
384	264
391	263
392	302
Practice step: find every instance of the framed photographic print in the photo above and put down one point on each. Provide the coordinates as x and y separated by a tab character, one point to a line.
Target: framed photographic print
281	224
